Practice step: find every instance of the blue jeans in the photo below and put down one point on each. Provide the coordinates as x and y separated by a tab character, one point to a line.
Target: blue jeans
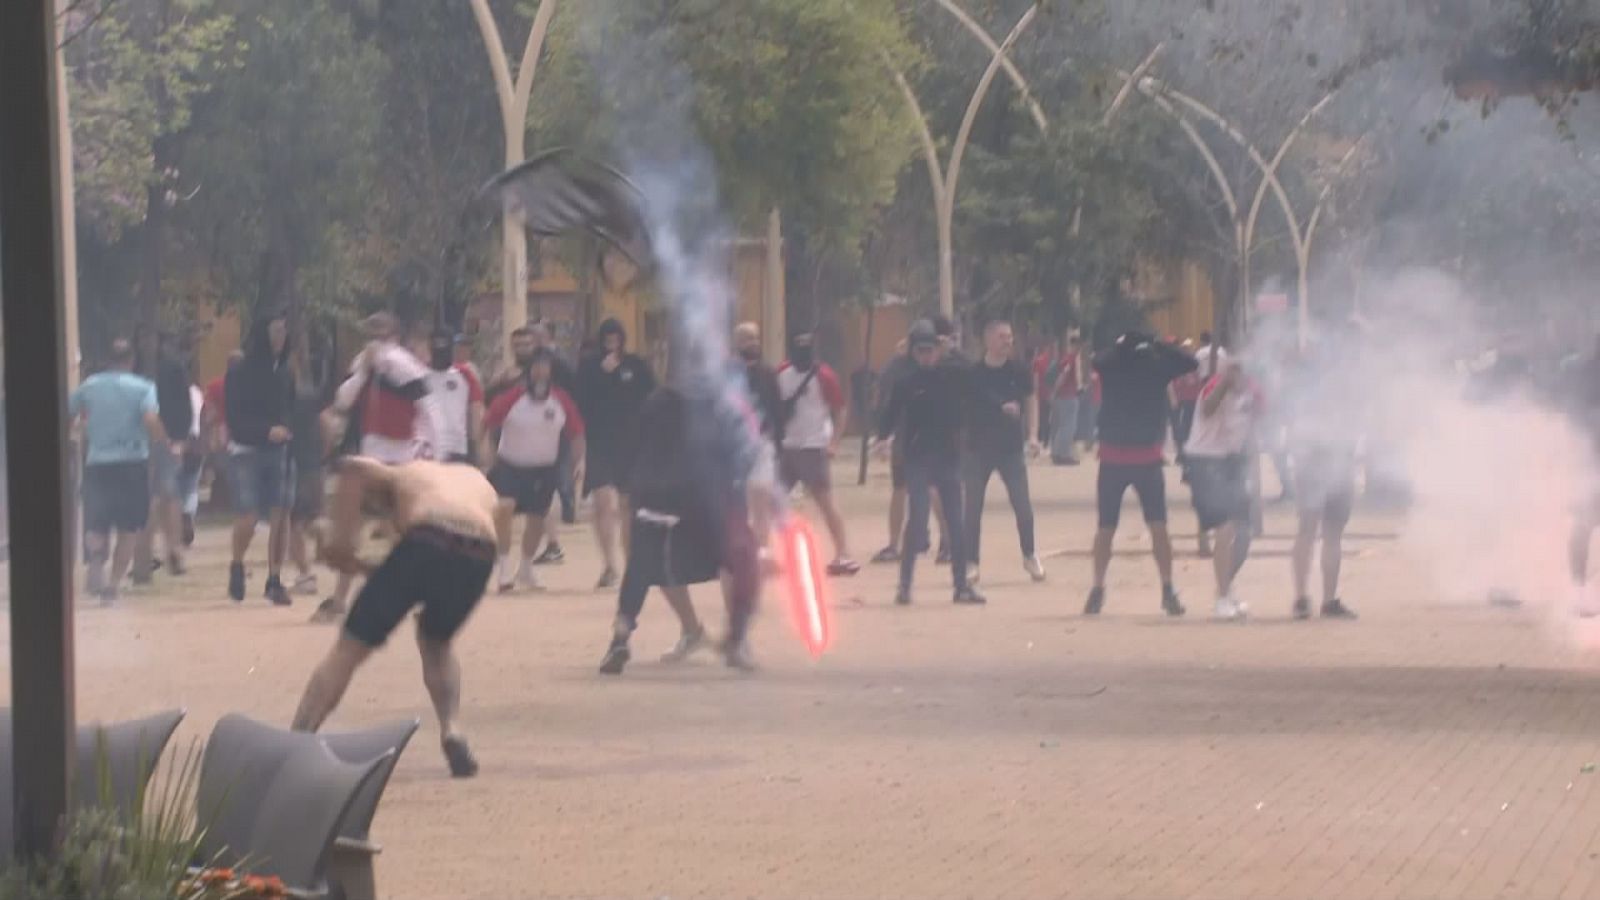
1064	418
260	479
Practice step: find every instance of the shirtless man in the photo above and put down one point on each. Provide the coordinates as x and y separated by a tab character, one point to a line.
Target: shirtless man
442	561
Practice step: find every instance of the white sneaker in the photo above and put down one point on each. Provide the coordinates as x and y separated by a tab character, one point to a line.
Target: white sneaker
508	575
972	573
306	584
527	578
1228	610
1034	568
688	643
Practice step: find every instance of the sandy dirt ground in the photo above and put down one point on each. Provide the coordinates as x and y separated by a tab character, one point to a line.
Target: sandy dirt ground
1437	748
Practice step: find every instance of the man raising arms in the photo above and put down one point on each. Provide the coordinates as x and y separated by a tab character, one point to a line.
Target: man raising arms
442	561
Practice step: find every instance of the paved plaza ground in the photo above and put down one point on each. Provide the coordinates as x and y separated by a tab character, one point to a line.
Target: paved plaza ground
1437	748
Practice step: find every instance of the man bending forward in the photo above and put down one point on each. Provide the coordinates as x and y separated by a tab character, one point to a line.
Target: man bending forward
444	515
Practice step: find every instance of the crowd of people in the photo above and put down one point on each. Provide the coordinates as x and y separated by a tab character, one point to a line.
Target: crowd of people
415	436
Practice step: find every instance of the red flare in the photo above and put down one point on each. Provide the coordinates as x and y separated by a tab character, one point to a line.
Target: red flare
805	580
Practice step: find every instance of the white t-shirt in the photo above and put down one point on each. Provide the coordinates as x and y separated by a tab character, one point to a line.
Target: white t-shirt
811	427
454	390
1227	431
197	402
531	430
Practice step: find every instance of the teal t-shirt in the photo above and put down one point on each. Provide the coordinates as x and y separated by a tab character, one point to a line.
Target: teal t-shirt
113	405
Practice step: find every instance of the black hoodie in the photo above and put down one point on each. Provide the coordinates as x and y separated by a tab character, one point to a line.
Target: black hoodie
259	390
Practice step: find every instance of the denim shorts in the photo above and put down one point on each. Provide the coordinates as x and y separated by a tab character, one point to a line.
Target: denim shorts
164	472
260	480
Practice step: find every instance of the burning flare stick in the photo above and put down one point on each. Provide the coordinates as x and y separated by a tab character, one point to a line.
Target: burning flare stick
805	581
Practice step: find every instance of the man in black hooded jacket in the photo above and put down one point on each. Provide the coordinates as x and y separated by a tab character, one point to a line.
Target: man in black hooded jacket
260	396
612	387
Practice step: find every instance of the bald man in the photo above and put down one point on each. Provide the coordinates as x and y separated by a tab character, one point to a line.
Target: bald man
762	379
444	514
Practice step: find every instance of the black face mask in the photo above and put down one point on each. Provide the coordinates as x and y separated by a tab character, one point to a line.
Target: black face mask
802	357
751	354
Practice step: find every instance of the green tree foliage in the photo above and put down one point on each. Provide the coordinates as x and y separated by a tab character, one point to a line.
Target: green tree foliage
284	162
790	97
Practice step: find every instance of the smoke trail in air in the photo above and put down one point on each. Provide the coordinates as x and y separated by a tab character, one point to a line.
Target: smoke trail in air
651	95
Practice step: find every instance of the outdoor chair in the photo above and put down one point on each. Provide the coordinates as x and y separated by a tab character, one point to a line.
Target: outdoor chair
125	753
351	865
275	800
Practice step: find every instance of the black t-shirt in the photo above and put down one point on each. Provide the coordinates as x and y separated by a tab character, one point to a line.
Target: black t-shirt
991	428
611	401
172	398
1133	386
926	412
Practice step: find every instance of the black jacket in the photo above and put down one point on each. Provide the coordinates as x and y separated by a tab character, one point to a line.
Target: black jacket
763	384
172	397
259	391
926	412
1133	385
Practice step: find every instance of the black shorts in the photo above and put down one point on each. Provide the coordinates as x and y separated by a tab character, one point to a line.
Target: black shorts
1147	480
116	496
897	466
686	552
1221	492
531	488
442	572
603	468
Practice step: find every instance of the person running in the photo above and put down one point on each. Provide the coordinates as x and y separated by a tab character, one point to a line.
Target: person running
526	426
691	521
1218	460
1322	446
460	398
612	387
389	416
444	515
1004	417
121	421
166	509
815	415
926	414
260	397
1134	374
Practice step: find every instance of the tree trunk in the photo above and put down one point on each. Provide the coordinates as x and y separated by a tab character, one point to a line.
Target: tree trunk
774	337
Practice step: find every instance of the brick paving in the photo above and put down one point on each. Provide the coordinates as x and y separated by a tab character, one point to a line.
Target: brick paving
1435	749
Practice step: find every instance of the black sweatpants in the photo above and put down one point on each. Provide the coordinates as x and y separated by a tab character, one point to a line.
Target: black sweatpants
924	475
1013	469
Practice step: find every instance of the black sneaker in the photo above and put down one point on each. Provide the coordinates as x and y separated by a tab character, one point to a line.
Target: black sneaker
1170	604
608	580
1335	609
1302	608
456	752
902	596
969	596
552	555
276	592
616	658
1097	602
236	582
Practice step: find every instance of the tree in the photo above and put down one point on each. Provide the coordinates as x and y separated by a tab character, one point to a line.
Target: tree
281	160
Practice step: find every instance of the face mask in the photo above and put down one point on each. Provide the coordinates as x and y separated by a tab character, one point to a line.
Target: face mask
751	354
443	358
802	357
523	359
